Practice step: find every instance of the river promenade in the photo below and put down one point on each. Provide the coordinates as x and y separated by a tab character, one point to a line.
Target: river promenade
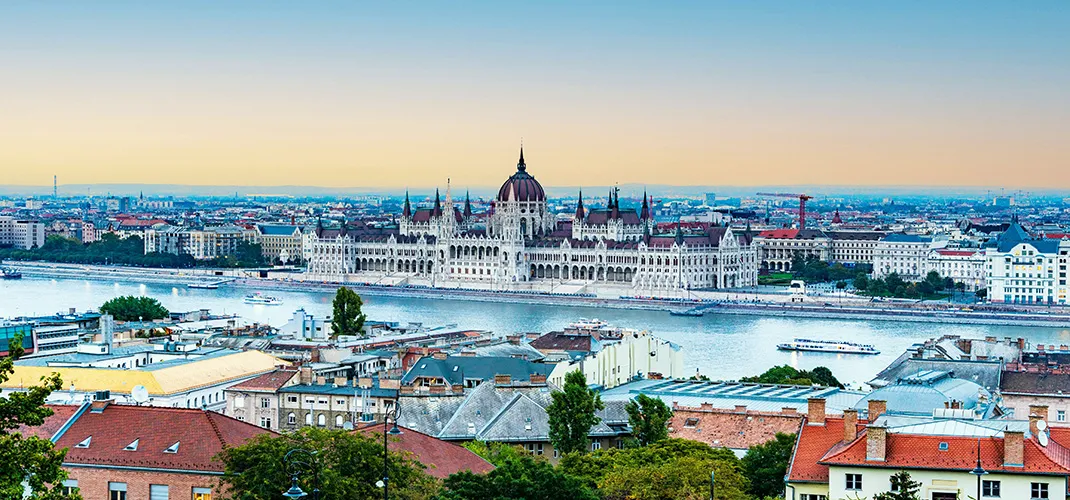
760	301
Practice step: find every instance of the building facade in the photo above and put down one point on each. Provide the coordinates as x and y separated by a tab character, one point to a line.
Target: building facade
522	241
965	266
201	244
23	234
1021	269
279	242
904	254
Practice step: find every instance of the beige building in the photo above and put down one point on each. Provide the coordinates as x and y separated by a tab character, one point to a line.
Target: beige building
776	248
335	403
257	400
280	242
962	265
904	254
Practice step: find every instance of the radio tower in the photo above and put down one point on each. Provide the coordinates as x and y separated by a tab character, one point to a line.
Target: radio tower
55	192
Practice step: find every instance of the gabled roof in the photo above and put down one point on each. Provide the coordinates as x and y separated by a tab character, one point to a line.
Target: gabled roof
456	369
813	443
268	382
200	436
442	458
278	230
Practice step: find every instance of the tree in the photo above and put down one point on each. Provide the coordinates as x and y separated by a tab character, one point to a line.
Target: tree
572	414
861	282
903	488
840	285
786	374
648	417
347	318
348	463
934	279
495	452
28	461
131	308
765	465
520	477
893	282
981	294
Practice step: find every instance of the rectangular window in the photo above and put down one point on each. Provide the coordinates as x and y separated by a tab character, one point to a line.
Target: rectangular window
854	482
812	496
202	494
265	422
70	487
159	492
1061	415
1038	490
116	491
595	445
990	489
265	403
291	399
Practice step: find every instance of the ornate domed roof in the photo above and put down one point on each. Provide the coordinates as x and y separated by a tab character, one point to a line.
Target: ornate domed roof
521	186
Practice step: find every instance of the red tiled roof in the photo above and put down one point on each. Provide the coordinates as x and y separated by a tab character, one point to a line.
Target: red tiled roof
268	382
60	415
200	435
442	458
964	253
787	234
729	428
813	443
913	451
561	341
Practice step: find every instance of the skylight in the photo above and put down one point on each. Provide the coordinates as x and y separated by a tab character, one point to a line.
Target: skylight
132	446
173	448
84	443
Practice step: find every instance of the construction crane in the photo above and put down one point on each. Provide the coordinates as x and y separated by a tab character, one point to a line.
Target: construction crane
802	204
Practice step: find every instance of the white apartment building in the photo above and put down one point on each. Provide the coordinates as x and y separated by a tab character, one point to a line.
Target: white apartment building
904	254
202	244
1024	270
24	234
964	265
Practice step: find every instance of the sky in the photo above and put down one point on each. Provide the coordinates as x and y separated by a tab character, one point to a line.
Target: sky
408	94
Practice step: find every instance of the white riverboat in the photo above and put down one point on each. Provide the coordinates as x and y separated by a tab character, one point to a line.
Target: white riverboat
264	300
837	346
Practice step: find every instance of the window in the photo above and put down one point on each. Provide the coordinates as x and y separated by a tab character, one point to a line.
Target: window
308	418
338	421
1060	416
690	423
70	487
854	482
595	445
265	403
116	491
321	420
239	401
1038	490
202	494
990	489
291	419
159	492
291	399
812	496
265	422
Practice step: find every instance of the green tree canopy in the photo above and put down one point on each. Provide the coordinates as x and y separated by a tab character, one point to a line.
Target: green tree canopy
765	465
649	418
347	318
349	465
494	452
903	488
572	414
786	374
517	477
28	460
669	469
131	308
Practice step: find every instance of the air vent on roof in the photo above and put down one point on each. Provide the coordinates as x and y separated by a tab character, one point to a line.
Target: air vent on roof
173	448
85	443
943	446
132	446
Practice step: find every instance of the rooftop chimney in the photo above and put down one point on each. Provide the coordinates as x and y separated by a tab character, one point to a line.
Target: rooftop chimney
877	407
850	425
1034	429
537	379
305	375
876	443
440	355
815	411
1040	411
1013	449
500	380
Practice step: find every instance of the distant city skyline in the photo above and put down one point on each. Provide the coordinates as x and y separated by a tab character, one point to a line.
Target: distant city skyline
389	95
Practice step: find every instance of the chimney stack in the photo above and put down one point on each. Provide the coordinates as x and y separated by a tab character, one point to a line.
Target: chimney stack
815	411
1040	411
876	443
503	380
1034	429
1013	449
877	407
306	375
850	425
439	355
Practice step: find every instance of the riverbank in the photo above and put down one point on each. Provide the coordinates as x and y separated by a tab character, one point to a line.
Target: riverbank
722	302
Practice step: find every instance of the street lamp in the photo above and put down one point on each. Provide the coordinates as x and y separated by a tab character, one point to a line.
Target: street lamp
394	431
712	482
978	471
294	467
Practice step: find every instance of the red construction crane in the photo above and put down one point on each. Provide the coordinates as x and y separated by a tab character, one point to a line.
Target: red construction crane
802	204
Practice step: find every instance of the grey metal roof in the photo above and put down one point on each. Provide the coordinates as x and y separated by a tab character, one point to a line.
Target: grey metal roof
984	373
509	350
456	369
761	397
428	414
925	391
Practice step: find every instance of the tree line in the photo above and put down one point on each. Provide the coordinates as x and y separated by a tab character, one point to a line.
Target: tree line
130	251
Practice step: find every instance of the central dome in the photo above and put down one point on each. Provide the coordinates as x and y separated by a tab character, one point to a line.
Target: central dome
521	186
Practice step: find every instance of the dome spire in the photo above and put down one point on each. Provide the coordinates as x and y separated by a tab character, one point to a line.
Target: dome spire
520	165
644	213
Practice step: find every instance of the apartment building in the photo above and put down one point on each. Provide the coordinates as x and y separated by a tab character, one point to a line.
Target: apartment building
20	233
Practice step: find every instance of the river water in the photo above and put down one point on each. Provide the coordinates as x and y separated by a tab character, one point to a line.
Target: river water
719	346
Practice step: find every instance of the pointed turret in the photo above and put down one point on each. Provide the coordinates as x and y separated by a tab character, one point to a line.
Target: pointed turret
319	226
437	210
836	218
679	233
467	205
520	165
579	207
343	230
614	200
644	213
407	210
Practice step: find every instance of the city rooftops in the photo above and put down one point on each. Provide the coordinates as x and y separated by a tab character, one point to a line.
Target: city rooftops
757	397
906	238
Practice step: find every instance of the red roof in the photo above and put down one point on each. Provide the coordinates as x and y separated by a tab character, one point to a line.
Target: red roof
200	436
441	458
268	382
814	443
52	424
782	234
963	253
915	451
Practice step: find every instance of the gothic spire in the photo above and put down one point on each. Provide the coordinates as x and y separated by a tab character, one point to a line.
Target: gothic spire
579	207
644	214
679	233
467	205
437	210
520	165
407	211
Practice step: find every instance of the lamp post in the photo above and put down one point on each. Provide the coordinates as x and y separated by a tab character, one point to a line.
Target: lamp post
712	482
293	466
394	431
978	471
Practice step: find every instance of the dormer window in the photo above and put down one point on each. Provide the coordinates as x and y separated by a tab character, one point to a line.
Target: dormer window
85	443
132	446
173	448
690	423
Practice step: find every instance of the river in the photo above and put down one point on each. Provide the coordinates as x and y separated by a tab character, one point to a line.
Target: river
719	346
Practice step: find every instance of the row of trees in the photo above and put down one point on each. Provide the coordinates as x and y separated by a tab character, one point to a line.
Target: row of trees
933	286
110	249
133	308
814	270
786	374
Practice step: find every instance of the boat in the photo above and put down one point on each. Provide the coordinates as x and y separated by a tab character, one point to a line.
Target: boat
10	273
689	312
588	324
837	346
203	286
265	300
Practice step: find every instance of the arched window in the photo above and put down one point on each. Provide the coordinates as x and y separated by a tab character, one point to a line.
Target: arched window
338	421
291	419
321	420
308	418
